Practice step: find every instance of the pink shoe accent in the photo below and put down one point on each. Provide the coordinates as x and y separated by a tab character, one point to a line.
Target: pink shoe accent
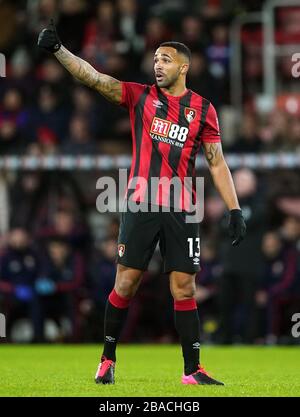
190	380
103	366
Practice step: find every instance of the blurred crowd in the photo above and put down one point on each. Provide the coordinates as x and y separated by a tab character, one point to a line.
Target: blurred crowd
57	264
44	111
57	253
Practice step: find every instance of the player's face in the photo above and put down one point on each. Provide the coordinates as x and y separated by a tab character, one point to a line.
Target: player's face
168	66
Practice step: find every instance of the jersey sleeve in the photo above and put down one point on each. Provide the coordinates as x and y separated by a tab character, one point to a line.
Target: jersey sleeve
131	93
211	131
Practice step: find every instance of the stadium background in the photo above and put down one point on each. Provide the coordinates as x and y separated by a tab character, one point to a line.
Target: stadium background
57	138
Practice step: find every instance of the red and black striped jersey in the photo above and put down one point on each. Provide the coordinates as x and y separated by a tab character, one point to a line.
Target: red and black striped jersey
167	132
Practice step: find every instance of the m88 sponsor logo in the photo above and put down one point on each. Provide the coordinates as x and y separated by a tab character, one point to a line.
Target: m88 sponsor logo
161	128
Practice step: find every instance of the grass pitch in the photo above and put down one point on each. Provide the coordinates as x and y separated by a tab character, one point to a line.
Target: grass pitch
147	371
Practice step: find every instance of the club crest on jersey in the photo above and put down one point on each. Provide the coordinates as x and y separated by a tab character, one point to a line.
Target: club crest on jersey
121	250
189	114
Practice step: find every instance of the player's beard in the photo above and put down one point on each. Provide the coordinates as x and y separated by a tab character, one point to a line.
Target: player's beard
168	82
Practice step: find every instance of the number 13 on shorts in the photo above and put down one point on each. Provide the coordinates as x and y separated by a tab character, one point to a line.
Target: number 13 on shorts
194	249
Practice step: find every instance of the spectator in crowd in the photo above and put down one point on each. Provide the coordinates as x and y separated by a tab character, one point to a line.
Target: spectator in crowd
214	213
156	32
51	74
101	281
9	24
39	13
193	34
19	267
100	35
290	231
146	75
10	138
248	140
49	204
20	75
207	284
202	81
48	120
84	104
61	274
277	295
218	53
273	131
80	140
13	121
25	199
66	225
293	137
130	23
238	281
72	15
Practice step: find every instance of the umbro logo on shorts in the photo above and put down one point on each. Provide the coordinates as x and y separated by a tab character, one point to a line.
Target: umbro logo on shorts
196	261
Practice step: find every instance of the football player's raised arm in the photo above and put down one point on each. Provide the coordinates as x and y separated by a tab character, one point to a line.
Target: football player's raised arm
108	86
220	173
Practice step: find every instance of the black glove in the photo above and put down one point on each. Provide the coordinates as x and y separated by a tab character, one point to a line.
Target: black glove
48	38
237	226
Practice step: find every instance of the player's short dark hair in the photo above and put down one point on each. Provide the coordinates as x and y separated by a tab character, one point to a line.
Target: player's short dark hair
180	47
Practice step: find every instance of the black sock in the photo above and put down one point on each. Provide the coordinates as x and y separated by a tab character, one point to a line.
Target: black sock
113	324
188	327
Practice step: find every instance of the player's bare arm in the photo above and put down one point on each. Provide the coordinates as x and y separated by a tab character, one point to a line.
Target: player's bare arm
221	174
108	86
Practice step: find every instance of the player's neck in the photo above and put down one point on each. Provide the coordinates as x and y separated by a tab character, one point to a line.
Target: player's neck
175	90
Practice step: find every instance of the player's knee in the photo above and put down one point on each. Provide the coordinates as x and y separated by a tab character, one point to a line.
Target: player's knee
125	288
184	292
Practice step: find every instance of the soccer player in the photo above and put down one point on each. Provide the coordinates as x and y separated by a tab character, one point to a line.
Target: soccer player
169	123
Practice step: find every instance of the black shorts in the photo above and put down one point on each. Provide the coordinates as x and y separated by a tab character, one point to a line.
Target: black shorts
179	242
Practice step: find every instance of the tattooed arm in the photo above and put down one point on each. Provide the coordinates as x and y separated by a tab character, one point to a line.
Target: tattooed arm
220	173
108	86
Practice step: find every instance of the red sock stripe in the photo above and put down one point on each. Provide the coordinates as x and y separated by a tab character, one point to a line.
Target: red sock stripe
118	301
185	305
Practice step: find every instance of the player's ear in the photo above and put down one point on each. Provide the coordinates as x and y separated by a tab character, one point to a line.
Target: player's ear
184	69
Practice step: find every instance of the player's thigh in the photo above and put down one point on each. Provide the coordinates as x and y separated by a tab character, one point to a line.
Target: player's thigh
181	246
138	237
